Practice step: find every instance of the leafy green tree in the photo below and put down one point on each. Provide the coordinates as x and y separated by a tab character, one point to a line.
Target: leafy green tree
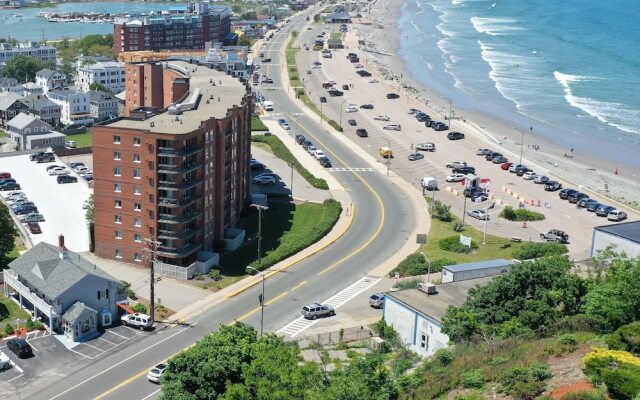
23	68
8	231
99	86
68	69
206	370
90	214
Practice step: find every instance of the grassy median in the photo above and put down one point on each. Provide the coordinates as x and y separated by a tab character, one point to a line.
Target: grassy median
257	124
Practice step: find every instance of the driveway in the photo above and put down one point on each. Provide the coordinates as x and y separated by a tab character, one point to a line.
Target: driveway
61	205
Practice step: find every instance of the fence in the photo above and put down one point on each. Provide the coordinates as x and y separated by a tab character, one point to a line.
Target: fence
342	336
174	271
63	152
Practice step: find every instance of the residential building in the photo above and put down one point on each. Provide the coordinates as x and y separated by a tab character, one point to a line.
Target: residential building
474	270
417	316
6	83
621	237
49	79
341	17
102	70
187	27
30	49
75	107
232	59
176	169
30	88
71	295
103	105
27	132
43	108
11	104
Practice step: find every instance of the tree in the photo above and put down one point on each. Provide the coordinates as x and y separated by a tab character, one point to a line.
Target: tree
24	68
99	86
90	214
205	370
8	231
243	40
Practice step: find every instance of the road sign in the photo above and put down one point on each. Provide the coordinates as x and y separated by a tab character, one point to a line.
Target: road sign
465	240
421	238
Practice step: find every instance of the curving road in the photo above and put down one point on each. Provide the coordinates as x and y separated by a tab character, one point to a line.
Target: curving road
383	221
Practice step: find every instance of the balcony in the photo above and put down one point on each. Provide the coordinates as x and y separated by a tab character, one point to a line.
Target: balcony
172	202
11	279
174	185
168	251
178	169
183	151
170	234
178	219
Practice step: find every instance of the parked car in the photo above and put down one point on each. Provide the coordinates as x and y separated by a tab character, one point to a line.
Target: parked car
471	191
5	175
565	193
32	217
376	300
45	158
15	197
9	186
514	167
382	118
603	210
34	227
351	109
50	167
552	186
490	156
155	373
264	180
325	162
315	310
478	214
137	320
506	166
576	197
464	170
335	93
257	166
21	202
426	146
617	215
593	206
66	179
300	139
456	164
392	127
392	95
439	126
75	164
529	176
482	151
373	80
20	347
88	176
25	209
522	171
284	124
455	135
323	99
70	144
555	235
58	171
266	60
7	180
5	362
416	156
479	197
362	132
367	106
311	149
586	202
541	179
306	144
455	178
318	154
352	122
499	160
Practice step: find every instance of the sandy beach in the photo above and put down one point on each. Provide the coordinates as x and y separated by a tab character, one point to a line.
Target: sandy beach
604	175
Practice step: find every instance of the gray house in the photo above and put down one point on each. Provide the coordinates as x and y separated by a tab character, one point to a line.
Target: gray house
29	132
71	295
43	108
6	83
10	106
103	105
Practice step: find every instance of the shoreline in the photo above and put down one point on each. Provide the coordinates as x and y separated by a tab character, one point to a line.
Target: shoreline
583	169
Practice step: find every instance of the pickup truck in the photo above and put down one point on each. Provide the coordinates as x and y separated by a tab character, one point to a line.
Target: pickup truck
137	320
555	235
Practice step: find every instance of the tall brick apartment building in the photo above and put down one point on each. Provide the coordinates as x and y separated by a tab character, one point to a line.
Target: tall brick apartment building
176	168
182	28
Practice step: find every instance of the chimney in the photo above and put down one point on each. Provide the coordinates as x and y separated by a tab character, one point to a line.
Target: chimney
64	253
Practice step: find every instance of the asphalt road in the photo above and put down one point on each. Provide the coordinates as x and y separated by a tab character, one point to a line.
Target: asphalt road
382	224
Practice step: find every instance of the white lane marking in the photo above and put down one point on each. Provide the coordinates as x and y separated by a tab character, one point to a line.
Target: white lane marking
300	324
31	344
117	334
145	398
17	367
121	362
336	169
105	340
100	350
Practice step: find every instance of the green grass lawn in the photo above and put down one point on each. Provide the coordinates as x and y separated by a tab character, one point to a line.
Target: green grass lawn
82	140
12	255
336	35
262	146
256	124
10	311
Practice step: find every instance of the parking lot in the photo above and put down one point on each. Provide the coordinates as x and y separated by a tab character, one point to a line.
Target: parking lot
61	204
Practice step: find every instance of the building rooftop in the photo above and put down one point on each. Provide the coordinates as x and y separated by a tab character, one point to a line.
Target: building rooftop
78	312
45	73
38	102
7	99
48	135
99	95
477	265
214	101
23	120
64	92
435	305
626	230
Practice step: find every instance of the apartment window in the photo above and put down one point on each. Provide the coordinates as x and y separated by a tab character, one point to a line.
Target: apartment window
117	187
116	139
136	173
103	294
118	235
137	237
116	155
137	190
118	203
137	257
136	157
117	219
424	341
118	254
137	222
137	206
117	171
136	141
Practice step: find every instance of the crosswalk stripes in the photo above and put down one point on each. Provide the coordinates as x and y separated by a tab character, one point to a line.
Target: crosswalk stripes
300	324
351	169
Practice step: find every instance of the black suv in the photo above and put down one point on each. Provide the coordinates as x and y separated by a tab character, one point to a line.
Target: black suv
464	170
439	126
565	193
473	191
362	132
492	155
576	197
67	179
392	95
20	347
300	139
455	135
334	93
325	162
44	158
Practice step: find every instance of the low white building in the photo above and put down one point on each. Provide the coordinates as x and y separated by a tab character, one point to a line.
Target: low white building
622	238
105	71
30	49
75	107
49	79
417	317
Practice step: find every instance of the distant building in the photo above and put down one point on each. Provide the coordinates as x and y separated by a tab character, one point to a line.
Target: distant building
474	270
183	27
417	317
30	88
49	79
341	17
231	59
27	132
621	237
43	108
71	295
6	83
102	70
11	104
75	107
30	49
103	105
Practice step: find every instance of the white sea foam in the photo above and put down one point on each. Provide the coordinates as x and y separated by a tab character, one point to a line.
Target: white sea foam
495	26
615	114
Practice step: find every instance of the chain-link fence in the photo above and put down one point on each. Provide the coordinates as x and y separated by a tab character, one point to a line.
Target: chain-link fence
354	334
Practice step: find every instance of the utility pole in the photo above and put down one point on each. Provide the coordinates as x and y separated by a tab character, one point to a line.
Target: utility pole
291	188
521	147
464	207
152	256
388	162
261	300
429	268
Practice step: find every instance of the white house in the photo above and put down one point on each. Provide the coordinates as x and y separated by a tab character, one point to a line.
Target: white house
75	107
105	71
417	317
622	238
31	49
49	79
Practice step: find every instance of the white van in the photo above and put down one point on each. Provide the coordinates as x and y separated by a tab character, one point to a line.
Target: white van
429	183
267	105
70	144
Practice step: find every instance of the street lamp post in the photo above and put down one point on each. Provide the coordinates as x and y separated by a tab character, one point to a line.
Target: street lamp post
464	207
291	187
260	210
321	112
341	110
429	267
521	147
261	301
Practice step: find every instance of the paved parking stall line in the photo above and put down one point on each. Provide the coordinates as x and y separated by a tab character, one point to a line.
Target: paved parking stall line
149	396
100	350
83	355
31	344
117	334
17	368
132	330
105	340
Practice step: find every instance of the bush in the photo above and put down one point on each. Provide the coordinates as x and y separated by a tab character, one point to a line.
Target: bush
385	331
626	338
29	324
472	379
568	340
335	125
442	211
595	394
618	370
215	274
128	291
526	390
452	243
520	214
444	357
458	226
408	284
414	264
528	251
540	371
139	308
8	329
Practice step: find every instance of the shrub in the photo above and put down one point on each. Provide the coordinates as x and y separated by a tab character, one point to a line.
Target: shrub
452	243
626	338
618	370
215	274
540	371
29	324
385	331
442	211
472	379
444	357
198	276
520	214
528	251
526	390
414	264
568	340
128	291
335	125
139	308
595	394
8	329
458	226
408	284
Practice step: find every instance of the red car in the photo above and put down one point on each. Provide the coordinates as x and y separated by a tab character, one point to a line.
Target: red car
506	166
5	175
34	227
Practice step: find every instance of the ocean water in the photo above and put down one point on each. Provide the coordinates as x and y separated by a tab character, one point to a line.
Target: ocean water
568	69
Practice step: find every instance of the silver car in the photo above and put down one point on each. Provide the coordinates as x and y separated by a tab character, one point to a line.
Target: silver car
315	310
376	300
155	374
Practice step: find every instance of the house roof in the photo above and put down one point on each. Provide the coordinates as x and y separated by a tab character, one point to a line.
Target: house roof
78	312
38	102
42	267
8	82
99	95
63	92
48	135
31	85
478	265
23	120
7	100
46	73
435	305
626	230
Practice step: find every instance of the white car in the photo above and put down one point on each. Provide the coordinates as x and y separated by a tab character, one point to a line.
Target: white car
481	151
427	146
81	169
478	214
455	178
318	154
456	164
358	66
351	109
616	215
14	193
528	176
58	171
373	80
5	362
264	180
382	118
155	374
312	150
392	127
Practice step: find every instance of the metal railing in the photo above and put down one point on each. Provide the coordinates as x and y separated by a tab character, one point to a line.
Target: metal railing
11	279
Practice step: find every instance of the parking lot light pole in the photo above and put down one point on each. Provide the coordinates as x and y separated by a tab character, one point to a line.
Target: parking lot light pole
261	299
429	267
321	112
291	187
341	110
